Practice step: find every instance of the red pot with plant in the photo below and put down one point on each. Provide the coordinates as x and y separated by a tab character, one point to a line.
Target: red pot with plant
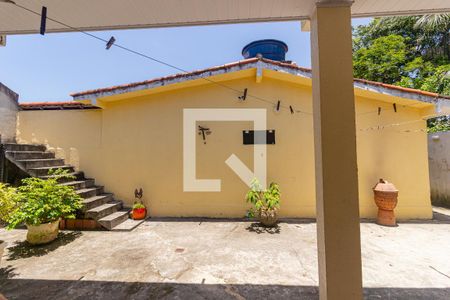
139	211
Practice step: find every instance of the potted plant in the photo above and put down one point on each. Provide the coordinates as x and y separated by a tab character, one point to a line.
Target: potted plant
42	203
265	202
139	211
8	203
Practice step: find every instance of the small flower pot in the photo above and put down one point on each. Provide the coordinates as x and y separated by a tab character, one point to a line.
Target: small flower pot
42	234
139	213
268	217
2	247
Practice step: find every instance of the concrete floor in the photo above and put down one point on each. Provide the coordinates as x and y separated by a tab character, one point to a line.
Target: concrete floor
207	259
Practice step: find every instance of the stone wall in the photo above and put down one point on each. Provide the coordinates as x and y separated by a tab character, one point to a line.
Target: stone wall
8	114
439	162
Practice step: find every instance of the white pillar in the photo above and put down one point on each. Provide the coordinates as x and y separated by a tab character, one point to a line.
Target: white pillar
338	234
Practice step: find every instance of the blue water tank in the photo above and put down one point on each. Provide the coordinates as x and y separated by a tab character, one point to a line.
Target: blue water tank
270	49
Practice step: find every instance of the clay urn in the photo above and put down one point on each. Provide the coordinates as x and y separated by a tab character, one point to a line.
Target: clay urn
385	195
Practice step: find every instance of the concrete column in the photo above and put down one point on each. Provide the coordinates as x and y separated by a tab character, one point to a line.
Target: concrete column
338	234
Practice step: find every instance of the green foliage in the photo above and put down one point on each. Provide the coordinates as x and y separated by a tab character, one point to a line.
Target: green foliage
138	205
268	199
411	51
42	201
426	36
439	81
439	124
383	61
9	198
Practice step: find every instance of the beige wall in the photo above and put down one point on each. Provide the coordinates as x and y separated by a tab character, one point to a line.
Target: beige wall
138	143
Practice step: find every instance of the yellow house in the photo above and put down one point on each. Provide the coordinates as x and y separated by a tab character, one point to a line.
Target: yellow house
132	137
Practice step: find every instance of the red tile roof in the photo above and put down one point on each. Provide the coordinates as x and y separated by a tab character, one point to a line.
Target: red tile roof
181	75
55	105
400	88
249	61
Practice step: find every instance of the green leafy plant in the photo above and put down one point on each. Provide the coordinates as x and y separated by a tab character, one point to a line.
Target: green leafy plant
9	198
439	124
138	205
43	201
262	200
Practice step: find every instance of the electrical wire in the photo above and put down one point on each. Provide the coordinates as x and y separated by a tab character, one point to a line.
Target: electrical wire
385	126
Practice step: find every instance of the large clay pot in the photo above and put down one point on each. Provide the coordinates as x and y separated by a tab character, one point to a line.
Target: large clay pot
385	195
268	217
2	247
42	234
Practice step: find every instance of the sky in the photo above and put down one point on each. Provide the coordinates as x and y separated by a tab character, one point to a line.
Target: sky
49	68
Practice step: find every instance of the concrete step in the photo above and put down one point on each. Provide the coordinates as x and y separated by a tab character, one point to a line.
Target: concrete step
97	205
43	171
75	175
90	191
39	163
30	154
23	147
103	210
80	184
114	219
95	201
127	225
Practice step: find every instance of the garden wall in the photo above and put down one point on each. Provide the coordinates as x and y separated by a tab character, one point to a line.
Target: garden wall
8	114
439	162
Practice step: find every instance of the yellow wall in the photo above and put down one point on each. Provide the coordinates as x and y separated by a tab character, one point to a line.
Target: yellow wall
138	143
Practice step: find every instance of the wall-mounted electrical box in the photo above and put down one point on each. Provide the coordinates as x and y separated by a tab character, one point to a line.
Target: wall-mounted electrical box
258	137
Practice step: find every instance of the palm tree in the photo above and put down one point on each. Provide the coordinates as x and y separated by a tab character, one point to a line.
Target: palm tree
435	29
433	22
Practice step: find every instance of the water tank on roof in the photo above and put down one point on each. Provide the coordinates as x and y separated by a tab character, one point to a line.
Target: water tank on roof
270	49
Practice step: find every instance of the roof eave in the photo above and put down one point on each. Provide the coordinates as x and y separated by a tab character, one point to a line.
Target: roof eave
256	63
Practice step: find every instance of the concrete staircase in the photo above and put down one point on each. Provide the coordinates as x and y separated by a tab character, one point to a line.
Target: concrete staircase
98	205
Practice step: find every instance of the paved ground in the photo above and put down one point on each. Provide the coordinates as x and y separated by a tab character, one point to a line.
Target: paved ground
195	259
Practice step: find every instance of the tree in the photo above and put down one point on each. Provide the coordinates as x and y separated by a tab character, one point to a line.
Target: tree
435	34
411	51
383	61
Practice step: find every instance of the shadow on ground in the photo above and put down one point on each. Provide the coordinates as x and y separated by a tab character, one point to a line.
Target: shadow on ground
67	289
24	249
438	218
7	272
221	220
258	228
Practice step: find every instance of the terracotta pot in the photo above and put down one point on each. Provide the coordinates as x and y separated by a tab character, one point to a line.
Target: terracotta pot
139	213
62	224
386	198
2	247
42	234
268	217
